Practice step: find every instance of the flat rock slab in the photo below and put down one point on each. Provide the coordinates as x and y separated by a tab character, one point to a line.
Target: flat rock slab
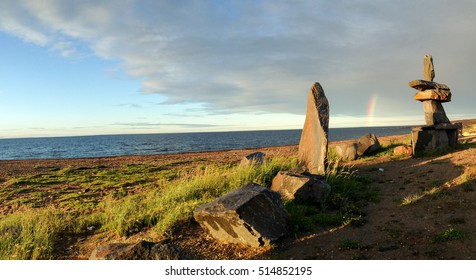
312	152
433	94
142	250
303	187
252	215
424	85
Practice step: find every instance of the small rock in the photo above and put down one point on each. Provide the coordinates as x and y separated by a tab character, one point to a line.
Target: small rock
403	150
254	158
142	250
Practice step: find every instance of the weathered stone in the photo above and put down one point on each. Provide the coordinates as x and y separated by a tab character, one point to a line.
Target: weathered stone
424	85
312	153
428	68
440	95
303	187
346	151
434	113
403	151
449	126
254	158
368	144
425	140
142	250
251	215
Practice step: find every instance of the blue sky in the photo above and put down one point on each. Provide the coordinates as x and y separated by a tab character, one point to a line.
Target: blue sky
113	67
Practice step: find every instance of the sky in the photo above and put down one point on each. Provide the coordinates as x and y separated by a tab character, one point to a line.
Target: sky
145	66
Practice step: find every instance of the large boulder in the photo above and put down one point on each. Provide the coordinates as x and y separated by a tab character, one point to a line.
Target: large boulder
303	187
368	144
142	250
251	215
312	151
254	158
346	151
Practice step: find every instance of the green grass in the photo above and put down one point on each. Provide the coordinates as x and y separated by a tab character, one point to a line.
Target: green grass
31	234
174	204
164	199
448	235
134	198
344	204
348	244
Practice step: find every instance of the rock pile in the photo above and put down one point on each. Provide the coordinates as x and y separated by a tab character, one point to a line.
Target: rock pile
439	132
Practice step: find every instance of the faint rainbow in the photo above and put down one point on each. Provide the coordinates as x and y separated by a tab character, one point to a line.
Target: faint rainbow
371	109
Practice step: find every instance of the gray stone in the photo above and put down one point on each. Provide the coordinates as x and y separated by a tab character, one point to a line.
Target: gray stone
312	153
254	158
307	188
422	85
368	144
425	140
142	250
346	151
428	68
434	113
251	215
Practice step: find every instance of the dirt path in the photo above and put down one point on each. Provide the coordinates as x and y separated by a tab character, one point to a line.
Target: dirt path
447	200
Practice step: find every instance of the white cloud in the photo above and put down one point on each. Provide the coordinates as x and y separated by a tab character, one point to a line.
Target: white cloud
263	56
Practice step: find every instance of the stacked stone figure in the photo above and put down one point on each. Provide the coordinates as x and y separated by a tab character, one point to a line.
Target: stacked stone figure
439	132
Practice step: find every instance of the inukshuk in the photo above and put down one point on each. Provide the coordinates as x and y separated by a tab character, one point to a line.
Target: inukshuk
439	132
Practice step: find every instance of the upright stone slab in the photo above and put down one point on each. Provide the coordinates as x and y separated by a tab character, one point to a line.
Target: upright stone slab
312	151
428	68
251	215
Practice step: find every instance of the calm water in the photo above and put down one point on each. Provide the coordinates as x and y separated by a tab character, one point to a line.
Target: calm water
142	144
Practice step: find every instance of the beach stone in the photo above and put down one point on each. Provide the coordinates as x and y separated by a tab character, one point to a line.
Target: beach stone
434	113
252	215
254	158
312	152
441	95
368	144
403	151
307	188
428	68
346	151
142	250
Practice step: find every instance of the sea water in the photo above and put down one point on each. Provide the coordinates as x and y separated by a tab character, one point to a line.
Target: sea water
147	144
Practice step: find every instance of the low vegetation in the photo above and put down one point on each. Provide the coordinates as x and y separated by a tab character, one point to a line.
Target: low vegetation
142	197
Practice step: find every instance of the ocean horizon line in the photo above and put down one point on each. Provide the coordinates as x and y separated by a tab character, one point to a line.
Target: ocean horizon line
197	132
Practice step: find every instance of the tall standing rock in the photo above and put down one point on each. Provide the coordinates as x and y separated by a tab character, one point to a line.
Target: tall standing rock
428	68
312	153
